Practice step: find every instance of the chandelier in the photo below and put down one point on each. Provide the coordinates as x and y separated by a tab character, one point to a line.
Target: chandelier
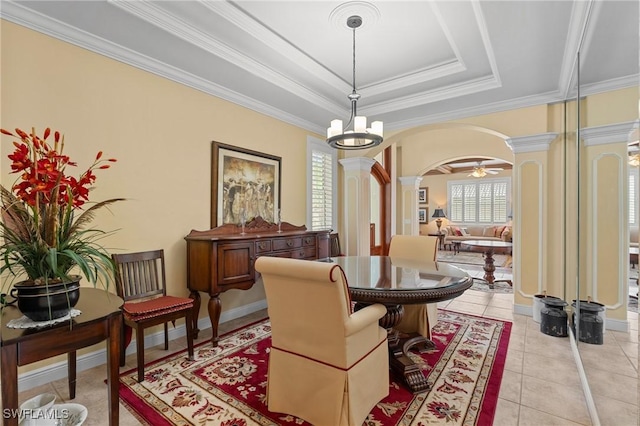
359	136
634	160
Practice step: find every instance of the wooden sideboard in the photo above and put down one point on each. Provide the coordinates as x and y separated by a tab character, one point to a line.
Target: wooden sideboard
222	258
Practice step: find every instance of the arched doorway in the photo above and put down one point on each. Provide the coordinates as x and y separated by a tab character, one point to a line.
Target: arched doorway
380	226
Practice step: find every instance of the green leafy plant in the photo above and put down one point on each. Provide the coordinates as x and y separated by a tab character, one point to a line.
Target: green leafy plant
45	224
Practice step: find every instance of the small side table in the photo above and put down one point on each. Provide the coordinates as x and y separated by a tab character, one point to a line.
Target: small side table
101	319
440	236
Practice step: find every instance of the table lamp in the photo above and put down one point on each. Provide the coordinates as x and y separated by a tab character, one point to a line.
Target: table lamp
439	214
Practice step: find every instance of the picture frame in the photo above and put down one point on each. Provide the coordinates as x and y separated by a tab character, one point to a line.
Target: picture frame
244	183
423	215
423	195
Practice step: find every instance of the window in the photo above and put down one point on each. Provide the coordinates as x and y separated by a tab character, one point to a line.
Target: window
479	201
322	179
633	195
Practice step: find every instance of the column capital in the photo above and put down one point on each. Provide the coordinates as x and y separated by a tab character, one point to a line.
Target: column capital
531	143
610	133
357	163
410	180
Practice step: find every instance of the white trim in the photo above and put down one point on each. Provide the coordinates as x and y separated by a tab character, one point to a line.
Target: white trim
617	325
622	226
523	310
591	405
517	254
532	143
611	133
58	370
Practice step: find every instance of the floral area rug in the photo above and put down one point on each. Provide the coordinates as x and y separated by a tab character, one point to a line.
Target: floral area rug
226	385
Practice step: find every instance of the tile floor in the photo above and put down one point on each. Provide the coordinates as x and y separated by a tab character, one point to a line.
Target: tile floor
540	385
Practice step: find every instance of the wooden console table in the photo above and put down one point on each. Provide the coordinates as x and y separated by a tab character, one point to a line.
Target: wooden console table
222	259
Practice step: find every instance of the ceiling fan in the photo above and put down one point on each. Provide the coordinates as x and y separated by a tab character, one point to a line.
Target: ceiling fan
479	171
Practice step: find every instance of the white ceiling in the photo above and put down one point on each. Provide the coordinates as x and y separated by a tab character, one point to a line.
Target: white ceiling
418	62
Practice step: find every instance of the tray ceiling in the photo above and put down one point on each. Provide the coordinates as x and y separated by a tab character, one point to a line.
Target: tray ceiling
418	62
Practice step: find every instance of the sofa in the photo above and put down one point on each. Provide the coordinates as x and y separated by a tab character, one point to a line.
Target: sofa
457	234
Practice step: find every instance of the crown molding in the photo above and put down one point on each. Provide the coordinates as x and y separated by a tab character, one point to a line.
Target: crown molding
532	143
607	134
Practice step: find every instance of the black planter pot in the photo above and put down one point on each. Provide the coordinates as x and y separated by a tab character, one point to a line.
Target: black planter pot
46	302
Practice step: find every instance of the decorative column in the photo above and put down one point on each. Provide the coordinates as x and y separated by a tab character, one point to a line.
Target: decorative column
357	205
605	214
409	204
530	234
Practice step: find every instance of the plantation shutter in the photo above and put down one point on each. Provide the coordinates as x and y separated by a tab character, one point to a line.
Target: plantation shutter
485	201
470	198
456	203
321	190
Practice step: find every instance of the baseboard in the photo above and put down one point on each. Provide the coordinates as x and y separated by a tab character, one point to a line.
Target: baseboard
523	310
58	370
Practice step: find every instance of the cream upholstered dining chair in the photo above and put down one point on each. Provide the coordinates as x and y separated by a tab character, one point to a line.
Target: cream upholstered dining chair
422	317
327	365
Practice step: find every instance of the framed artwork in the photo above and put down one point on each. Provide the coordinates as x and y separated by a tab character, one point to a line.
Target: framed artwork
244	184
423	195
423	215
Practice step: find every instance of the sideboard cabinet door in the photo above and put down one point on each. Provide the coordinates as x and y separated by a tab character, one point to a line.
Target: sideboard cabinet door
235	263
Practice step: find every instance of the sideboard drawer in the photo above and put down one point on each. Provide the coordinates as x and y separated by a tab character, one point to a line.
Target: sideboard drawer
304	253
263	246
309	241
286	243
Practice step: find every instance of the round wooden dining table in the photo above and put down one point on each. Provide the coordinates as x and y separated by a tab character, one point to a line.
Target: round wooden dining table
395	282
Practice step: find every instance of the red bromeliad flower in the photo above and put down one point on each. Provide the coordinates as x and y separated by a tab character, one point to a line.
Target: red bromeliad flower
44	227
42	169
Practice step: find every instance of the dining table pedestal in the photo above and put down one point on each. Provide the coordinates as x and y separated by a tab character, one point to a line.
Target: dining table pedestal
395	282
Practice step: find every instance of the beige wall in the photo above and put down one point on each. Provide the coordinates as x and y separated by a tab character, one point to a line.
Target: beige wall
160	132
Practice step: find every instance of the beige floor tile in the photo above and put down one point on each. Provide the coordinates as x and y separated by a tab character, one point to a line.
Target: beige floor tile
511	386
499	313
552	398
612	385
499	302
562	371
614	363
516	341
514	361
532	417
616	413
506	413
537	342
478	297
466	307
624	336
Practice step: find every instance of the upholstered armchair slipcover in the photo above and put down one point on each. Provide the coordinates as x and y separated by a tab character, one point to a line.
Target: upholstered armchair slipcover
327	365
422	317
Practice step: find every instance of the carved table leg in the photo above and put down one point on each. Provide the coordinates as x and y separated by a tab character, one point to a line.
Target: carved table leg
489	267
196	310
399	360
214	315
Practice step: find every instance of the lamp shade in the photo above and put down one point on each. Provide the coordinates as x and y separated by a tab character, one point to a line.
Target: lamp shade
438	213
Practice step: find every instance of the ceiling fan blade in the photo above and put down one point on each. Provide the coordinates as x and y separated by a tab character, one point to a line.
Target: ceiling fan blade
491	171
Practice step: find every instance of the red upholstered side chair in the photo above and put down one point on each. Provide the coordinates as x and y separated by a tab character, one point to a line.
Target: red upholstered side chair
141	282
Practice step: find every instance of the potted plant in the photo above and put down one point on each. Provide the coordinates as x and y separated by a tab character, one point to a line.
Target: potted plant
44	227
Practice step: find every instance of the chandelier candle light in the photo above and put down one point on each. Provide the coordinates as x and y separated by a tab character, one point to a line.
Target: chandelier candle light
359	137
